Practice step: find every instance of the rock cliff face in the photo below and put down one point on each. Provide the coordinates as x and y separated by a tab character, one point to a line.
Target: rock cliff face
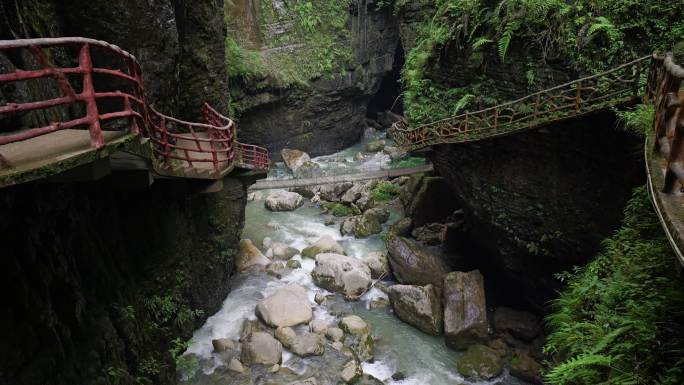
99	281
328	113
179	43
536	203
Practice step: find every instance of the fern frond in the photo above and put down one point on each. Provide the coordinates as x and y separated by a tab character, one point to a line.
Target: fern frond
481	41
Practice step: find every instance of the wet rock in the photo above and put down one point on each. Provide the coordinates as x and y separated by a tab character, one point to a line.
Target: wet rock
318	326
262	349
308	344
367	379
281	251
274	369
250	326
357	191
306	191
394	152
325	244
351	372
308	381
361	226
337	345
255	196
358	157
526	368
375	145
378	264
465	310
418	306
223	344
293	264
329	222
430	234
250	255
522	325
355	325
294	159
286	335
479	362
340	273
289	306
335	334
267	243
378	213
319	298
399	376
283	201
236	366
276	269
334	192
412	264
378	303
401	227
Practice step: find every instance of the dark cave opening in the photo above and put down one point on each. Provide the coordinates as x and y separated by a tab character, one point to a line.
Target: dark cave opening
388	97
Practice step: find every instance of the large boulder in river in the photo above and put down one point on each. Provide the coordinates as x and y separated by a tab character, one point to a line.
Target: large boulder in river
380	214
359	337
289	306
340	273
262	349
283	201
295	159
361	226
465	309
250	255
418	306
357	191
325	244
378	264
281	251
479	362
412	264
308	344
375	145
333	192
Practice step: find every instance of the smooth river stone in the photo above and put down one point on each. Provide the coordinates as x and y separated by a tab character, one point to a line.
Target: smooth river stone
289	306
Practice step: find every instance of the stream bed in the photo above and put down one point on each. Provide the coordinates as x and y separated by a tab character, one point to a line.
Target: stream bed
422	359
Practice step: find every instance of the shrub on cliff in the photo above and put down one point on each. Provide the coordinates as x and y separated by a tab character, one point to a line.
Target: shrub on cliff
620	319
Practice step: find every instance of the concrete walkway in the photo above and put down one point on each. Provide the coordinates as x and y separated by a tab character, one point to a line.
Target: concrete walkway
265	184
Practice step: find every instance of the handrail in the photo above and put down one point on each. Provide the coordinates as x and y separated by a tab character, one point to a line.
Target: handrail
571	99
173	140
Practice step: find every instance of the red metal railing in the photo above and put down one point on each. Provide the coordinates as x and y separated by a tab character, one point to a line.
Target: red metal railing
176	143
665	91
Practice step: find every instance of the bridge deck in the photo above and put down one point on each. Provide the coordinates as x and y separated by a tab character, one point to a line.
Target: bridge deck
265	184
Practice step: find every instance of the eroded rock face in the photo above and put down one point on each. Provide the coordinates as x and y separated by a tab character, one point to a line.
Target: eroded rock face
465	309
413	264
522	325
418	306
340	273
330	114
334	192
378	264
288	306
262	349
283	201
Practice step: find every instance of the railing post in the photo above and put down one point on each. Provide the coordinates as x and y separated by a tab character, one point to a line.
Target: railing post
637	79
88	96
578	96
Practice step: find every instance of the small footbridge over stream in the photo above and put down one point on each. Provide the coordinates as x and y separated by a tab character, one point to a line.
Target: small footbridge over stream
654	79
75	108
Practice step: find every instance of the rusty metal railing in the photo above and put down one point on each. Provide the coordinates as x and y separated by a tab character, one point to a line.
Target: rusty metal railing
113	95
619	85
666	93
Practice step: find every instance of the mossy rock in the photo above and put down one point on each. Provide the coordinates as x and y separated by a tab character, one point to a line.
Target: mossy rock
479	361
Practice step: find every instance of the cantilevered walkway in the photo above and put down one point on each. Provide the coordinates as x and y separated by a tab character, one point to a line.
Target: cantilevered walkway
91	107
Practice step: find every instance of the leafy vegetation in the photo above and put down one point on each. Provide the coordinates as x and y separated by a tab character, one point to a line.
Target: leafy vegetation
336	209
411	161
590	36
620	319
288	43
638	119
384	191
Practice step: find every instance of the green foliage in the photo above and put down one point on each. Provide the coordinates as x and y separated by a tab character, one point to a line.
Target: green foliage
590	35
313	45
412	161
638	119
619	319
336	209
384	191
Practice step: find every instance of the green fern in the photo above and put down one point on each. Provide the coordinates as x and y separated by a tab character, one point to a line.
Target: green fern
481	42
577	368
505	39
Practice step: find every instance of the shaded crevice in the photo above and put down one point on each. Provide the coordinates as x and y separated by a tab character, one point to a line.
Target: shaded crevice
388	97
